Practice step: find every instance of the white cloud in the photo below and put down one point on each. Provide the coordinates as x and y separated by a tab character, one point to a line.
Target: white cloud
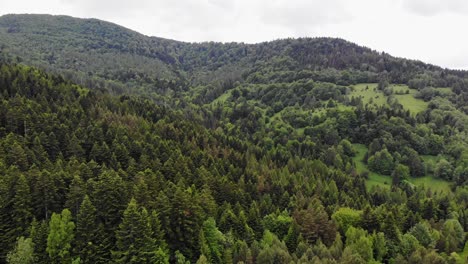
436	7
305	14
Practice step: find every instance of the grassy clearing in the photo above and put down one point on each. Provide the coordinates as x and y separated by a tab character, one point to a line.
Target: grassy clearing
369	94
385	181
408	100
374	178
435	184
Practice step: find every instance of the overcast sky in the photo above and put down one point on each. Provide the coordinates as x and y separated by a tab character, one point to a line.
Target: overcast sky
434	31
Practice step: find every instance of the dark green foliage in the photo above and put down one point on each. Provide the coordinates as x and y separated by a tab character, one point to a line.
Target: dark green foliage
39	233
136	241
231	152
87	245
382	162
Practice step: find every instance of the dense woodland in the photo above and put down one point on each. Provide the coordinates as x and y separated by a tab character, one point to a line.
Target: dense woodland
121	148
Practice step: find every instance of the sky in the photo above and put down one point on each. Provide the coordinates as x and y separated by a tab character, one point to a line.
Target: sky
433	31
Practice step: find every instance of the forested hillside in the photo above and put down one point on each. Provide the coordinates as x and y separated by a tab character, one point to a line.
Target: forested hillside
116	147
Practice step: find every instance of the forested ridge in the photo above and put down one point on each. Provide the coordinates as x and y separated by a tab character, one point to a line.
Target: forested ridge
116	147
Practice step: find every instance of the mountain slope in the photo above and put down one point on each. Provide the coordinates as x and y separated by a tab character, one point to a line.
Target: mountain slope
119	58
311	150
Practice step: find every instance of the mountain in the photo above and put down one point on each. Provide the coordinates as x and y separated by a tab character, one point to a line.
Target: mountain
116	55
117	147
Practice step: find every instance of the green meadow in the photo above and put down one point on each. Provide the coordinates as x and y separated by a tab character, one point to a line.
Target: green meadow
385	181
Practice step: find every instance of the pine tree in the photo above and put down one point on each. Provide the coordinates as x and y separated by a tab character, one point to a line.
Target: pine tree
75	194
39	233
156	231
22	209
87	230
109	198
43	194
369	220
211	241
74	148
17	156
135	243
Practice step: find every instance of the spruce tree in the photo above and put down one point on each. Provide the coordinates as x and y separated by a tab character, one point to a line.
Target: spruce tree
87	230
39	232
135	243
22	209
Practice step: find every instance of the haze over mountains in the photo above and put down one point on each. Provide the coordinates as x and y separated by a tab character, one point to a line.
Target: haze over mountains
117	147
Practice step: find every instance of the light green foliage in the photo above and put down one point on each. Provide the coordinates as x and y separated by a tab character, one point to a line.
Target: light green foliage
403	95
380	180
61	234
273	250
347	217
453	235
380	246
369	94
375	179
23	253
180	258
359	242
400	173
443	170
406	97
278	224
408	244
211	241
425	234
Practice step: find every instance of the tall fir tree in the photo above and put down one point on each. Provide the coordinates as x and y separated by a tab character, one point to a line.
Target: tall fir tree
87	231
135	242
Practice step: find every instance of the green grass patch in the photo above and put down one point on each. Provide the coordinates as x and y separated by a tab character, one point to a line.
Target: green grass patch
374	178
408	100
369	94
405	96
434	184
385	181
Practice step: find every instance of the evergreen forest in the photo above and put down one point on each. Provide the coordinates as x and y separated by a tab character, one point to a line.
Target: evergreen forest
116	147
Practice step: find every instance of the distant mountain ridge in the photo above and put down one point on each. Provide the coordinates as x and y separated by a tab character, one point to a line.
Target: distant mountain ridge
98	53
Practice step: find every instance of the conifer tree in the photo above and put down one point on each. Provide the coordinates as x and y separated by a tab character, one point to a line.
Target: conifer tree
22	209
87	231
135	243
211	241
39	232
75	194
